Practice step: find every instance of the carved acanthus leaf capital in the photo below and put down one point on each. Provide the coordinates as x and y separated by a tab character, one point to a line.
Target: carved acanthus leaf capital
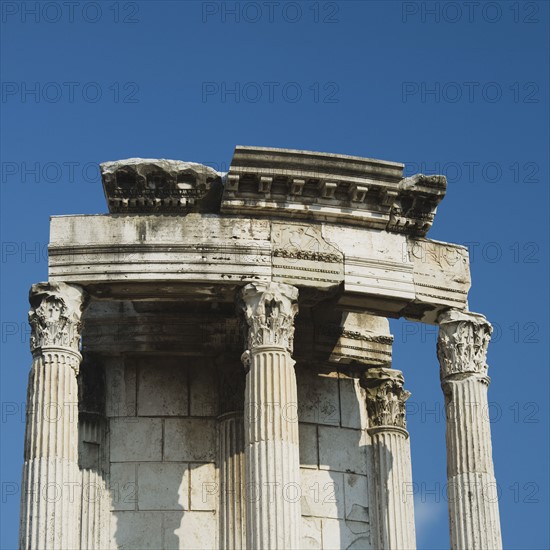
55	315
385	397
462	343
269	310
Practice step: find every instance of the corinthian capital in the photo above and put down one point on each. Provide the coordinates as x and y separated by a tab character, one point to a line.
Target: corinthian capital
269	309
385	397
56	310
462	343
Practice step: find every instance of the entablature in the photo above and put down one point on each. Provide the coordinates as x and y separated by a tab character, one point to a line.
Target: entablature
280	183
348	190
209	256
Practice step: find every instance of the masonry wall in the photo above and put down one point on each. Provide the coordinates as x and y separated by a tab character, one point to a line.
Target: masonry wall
162	437
334	460
162	452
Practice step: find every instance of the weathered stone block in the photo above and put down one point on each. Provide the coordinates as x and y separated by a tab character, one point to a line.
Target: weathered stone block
317	397
322	493
204	486
123	486
136	530
163	486
431	259
346	534
136	439
342	450
190	530
162	387
204	389
190	440
311	533
356	497
237	248
120	387
353	408
309	449
390	279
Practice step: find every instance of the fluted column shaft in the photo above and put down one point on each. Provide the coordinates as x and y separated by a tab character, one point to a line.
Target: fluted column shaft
393	508
231	459
472	491
50	501
271	422
232	481
95	499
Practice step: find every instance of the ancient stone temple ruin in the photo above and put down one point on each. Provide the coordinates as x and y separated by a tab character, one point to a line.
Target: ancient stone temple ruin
219	347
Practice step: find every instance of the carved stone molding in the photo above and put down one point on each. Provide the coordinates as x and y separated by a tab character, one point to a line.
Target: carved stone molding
55	316
462	343
346	338
269	310
160	185
385	397
327	187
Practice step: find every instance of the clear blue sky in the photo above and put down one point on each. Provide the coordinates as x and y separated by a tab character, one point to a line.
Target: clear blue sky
458	88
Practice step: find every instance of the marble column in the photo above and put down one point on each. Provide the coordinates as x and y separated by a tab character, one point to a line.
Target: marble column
51	492
472	491
95	501
271	419
93	456
231	458
393	508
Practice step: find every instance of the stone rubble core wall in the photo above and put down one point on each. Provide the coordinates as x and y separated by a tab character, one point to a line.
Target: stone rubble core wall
233	387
